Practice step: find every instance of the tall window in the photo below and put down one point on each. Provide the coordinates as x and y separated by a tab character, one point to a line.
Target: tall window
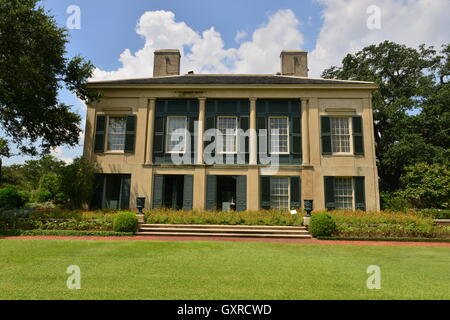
279	193
116	133
279	135
228	129
176	134
343	189
340	135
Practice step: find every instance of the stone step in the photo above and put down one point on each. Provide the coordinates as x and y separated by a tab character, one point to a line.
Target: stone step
238	235
212	226
223	230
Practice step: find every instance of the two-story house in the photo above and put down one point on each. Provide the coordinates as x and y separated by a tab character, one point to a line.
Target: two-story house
244	142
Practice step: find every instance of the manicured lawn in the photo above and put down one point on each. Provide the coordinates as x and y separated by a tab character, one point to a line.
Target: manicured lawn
36	269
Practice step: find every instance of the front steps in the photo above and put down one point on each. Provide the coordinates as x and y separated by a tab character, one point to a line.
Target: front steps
170	230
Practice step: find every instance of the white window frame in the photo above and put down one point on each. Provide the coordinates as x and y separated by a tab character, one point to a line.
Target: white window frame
167	135
220	148
108	117
353	192
288	135
350	132
288	191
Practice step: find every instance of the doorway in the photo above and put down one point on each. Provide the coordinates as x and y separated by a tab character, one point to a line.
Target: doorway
226	193
173	192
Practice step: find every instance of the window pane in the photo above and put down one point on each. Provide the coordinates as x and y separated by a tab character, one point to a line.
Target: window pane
279	193
176	134
228	130
340	135
116	133
279	134
343	193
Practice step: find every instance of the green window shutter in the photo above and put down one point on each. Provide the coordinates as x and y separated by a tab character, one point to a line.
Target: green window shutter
99	145
329	193
244	125
125	192
158	191
191	127
261	124
210	123
211	192
296	135
130	134
325	124
96	201
295	192
241	193
158	140
188	192
360	194
265	192
358	141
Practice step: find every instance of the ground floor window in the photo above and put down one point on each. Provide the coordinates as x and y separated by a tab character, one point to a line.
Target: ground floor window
279	193
112	191
343	193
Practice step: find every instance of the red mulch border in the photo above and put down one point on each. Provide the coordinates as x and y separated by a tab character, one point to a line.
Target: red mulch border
223	239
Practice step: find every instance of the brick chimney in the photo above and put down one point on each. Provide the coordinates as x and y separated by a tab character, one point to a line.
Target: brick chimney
294	63
166	63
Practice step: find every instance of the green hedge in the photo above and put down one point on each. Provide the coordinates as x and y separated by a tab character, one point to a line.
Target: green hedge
64	233
384	239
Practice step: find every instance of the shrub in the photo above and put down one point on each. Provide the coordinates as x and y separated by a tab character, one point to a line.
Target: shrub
322	224
42	196
435	213
427	186
11	198
394	202
125	222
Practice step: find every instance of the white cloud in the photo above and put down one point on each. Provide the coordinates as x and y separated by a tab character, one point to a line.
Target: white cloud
239	36
206	52
344	29
58	152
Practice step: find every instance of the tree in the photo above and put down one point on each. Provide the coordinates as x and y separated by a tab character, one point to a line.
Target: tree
410	81
34	170
77	182
427	186
33	68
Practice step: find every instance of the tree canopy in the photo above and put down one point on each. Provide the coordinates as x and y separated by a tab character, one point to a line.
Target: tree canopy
33	69
411	107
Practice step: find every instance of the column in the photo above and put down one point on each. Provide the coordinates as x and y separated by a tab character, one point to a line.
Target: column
253	145
201	129
150	130
305	131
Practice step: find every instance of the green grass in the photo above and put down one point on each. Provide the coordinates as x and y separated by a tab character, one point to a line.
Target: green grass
35	269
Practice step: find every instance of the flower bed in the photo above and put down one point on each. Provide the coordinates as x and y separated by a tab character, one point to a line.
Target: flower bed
268	218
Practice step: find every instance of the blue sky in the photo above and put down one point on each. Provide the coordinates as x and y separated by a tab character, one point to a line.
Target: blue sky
120	36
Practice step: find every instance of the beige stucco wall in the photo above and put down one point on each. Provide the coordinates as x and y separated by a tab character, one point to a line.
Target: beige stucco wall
319	100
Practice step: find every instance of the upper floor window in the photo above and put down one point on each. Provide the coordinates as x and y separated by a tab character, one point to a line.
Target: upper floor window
340	135
228	129
279	135
117	127
176	134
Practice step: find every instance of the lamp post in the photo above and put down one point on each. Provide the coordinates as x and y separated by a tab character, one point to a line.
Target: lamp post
308	205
